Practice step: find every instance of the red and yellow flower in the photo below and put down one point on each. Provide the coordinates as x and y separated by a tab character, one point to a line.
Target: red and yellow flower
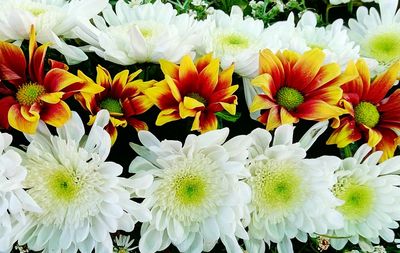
197	90
28	94
122	96
370	115
298	87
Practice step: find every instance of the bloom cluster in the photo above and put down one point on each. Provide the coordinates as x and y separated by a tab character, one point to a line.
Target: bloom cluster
180	118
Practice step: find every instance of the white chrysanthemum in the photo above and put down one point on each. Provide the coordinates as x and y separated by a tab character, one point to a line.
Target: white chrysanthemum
53	20
140	33
371	199
378	34
332	40
82	198
123	244
196	197
14	201
235	40
291	195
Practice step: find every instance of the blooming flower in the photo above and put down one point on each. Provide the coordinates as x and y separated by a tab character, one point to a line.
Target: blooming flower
123	244
194	90
122	97
370	115
333	39
371	199
297	87
336	2
26	99
235	40
291	195
82	196
140	33
378	34
196	197
14	201
53	19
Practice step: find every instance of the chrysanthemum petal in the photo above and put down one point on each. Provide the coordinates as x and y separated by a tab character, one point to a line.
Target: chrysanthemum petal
52	98
273	120
5	104
136	105
318	110
203	62
388	143
166	116
208	78
12	63
345	134
55	114
208	122
374	136
261	102
325	74
17	121
58	79
161	95
170	69
266	83
173	88
188	75
185	112
270	64
119	83
137	124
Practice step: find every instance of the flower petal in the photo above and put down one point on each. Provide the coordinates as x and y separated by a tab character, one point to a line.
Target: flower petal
55	114
5	104
59	79
166	116
12	63
17	121
317	110
346	133
208	122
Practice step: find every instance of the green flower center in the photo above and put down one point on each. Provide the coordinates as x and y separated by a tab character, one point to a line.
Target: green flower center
359	199
276	185
385	47
189	189
289	98
197	96
367	114
63	185
30	93
146	32
111	105
235	41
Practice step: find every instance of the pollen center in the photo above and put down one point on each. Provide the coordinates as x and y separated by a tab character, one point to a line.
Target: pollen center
197	96
189	189
367	114
385	47
276	185
359	199
235	41
289	98
63	185
30	93
111	105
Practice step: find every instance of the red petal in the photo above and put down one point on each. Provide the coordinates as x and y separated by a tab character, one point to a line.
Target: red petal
55	114
346	133
317	110
59	79
138	124
208	122
19	122
5	104
36	64
119	83
136	105
57	65
388	144
12	63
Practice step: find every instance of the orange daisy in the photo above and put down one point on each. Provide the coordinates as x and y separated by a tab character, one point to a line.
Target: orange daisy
122	96
298	87
197	90
28	94
370	115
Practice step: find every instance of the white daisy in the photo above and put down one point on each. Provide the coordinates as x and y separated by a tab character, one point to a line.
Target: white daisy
53	20
371	199
291	195
196	197
378	34
82	197
333	39
14	201
140	33
123	244
336	2
235	40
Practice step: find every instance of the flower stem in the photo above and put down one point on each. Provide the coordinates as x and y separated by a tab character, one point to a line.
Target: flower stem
347	151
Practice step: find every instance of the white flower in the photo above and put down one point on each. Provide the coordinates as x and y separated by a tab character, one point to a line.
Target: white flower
235	40
291	195
123	244
140	33
196	197
82	197
14	201
332	40
336	2
54	21
378	34
371	199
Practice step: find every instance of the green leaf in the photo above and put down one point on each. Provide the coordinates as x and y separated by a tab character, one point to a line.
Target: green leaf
228	117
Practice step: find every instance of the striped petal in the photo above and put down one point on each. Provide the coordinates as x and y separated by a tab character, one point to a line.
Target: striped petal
12	63
59	79
55	114
138	124
388	144
112	131
36	64
345	134
266	83
192	103
169	69
185	112
119	83
203	62
270	64
374	136
208	122
188	75
52	98
225	78
326	74
273	118
136	105
318	110
287	117
19	122
208	78
166	116
261	102
103	77
161	95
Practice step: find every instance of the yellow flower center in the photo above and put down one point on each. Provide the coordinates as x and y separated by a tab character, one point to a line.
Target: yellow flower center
189	189
385	47
197	96
289	98
30	93
367	114
111	105
146	32
235	41
358	198
63	185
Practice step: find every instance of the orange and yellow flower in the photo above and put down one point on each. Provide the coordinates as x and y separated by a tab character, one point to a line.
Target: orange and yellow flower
28	94
122	96
197	90
370	115
298	87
